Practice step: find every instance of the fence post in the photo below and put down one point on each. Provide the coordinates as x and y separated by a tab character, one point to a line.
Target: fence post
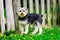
54	13
59	13
31	6
16	5
48	13
37	6
25	3
59	3
2	16
43	12
10	16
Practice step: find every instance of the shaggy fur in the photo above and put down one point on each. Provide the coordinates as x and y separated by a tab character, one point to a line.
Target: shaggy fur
26	19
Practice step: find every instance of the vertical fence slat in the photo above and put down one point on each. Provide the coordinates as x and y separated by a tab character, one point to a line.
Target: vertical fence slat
43	11
54	13
48	13
31	6
37	6
16	5
59	2
59	14
10	16
2	16
25	3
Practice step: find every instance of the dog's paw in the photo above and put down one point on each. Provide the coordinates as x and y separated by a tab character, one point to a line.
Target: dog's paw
40	32
33	33
22	33
25	32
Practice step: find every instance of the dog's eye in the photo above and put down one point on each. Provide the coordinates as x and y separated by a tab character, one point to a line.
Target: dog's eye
20	11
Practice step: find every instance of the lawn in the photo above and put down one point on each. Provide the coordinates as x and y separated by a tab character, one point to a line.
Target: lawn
48	34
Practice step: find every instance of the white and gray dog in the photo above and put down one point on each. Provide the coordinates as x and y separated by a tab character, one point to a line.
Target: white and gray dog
26	19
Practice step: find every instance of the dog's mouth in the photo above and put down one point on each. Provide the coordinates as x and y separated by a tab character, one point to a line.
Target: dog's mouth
21	14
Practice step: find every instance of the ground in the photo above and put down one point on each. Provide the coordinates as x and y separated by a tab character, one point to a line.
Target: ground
48	34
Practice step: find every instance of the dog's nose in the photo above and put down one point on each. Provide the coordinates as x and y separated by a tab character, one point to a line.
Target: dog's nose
21	13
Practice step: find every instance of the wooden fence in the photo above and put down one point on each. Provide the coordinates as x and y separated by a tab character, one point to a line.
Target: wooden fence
48	8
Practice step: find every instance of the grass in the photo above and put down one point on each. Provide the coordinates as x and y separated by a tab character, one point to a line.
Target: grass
48	34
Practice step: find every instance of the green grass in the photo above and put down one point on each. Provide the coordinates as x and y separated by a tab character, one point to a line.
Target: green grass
48	34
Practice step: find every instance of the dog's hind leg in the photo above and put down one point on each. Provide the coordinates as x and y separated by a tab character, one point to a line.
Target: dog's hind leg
21	29
40	28
35	28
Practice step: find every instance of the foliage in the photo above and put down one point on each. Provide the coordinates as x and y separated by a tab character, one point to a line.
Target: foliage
7	33
48	34
5	13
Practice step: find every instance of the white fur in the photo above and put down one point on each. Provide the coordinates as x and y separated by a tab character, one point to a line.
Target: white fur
40	28
37	28
21	28
22	10
23	22
26	29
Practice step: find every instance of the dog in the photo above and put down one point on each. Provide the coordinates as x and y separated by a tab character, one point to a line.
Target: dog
26	19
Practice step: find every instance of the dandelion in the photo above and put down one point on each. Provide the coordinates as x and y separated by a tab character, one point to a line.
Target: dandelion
11	34
14	35
52	34
12	30
51	28
18	39
1	35
24	38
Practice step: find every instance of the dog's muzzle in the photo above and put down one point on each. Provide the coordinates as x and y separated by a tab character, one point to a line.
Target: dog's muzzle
22	14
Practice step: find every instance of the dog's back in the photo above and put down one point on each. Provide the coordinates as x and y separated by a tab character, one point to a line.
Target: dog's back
35	17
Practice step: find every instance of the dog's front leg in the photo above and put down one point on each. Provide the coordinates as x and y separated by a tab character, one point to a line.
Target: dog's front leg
21	29
26	29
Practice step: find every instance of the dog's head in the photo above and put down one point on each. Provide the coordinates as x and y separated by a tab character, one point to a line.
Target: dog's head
22	12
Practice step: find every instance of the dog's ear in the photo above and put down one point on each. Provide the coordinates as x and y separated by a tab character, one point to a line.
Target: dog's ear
26	9
41	15
16	13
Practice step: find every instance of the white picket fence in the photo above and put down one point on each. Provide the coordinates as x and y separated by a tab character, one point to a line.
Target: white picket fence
11	8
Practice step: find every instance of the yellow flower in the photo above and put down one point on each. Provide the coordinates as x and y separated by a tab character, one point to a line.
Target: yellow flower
51	28
19	39
52	34
1	34
31	34
12	30
11	34
14	35
45	28
24	38
4	35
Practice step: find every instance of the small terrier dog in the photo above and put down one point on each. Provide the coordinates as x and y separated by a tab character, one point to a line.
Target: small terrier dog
26	19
